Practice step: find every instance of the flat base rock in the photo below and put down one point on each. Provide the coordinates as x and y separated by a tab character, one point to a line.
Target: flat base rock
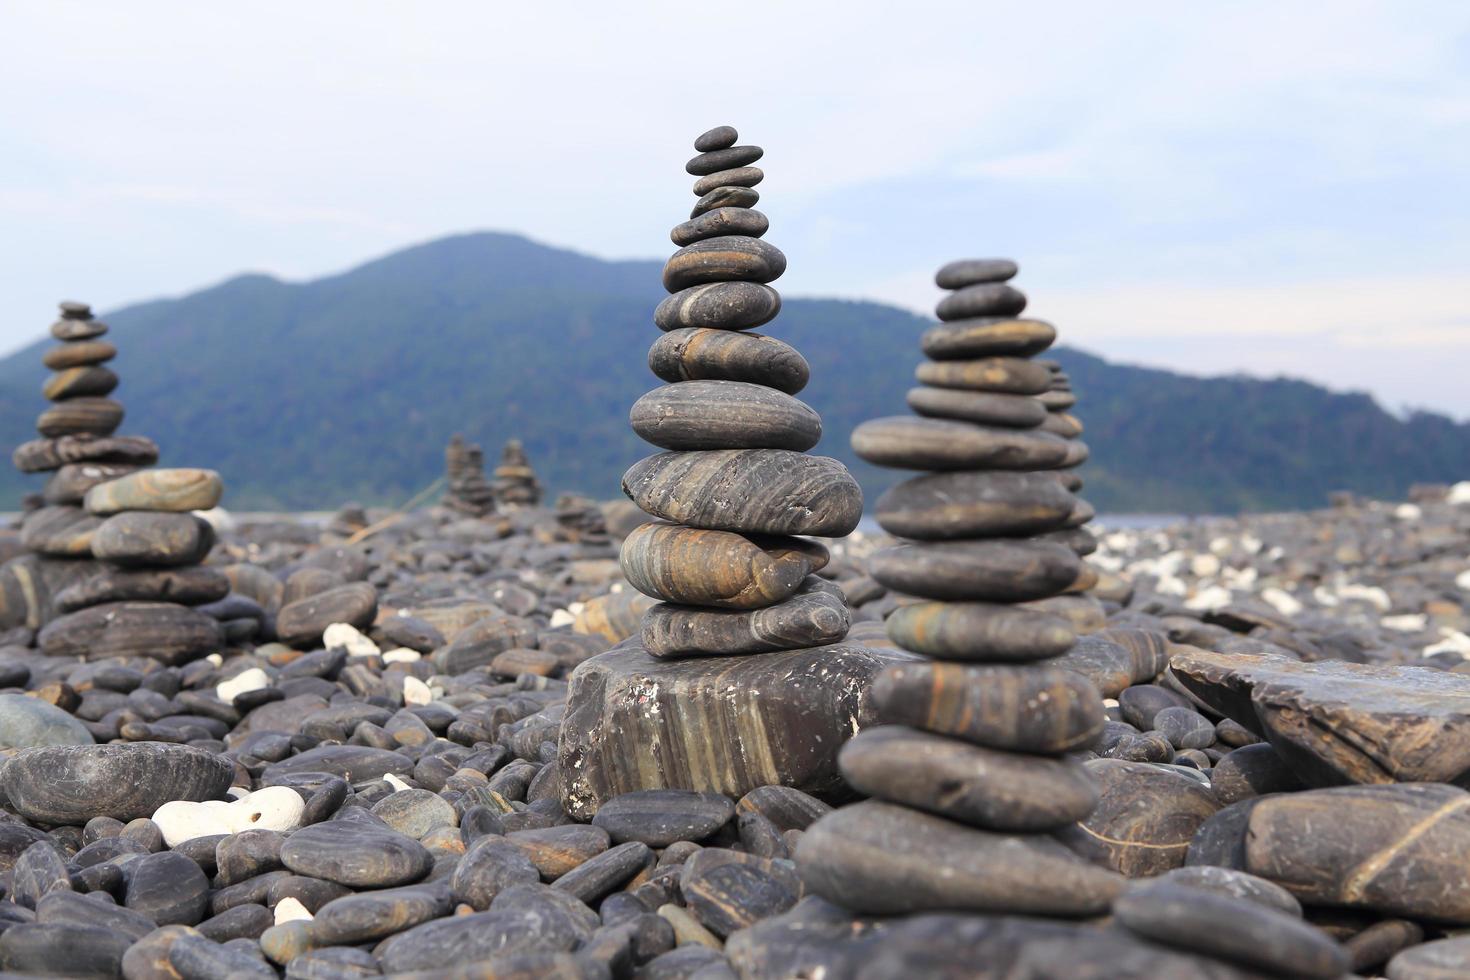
725	724
886	859
1336	722
70	784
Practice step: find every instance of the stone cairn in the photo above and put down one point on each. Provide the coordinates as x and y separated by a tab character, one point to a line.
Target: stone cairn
1059	400
967	771
101	503
515	482
468	491
686	704
735	484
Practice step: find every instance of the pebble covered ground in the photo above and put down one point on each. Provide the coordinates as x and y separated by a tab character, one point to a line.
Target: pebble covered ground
396	807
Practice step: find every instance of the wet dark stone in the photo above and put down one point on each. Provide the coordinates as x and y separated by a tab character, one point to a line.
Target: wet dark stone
161	630
967	783
997	569
1145	818
71	784
968	272
940	444
880	858
489	866
63	949
725	258
374	915
304	620
712	161
724	415
720	305
717	138
1231	929
981	299
723	221
727	890
356	854
660	817
1252	770
168	888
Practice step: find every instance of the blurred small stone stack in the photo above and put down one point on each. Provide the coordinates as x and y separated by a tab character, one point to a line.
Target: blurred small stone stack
732	493
468	491
79	450
1059	400
967	769
150	546
515	482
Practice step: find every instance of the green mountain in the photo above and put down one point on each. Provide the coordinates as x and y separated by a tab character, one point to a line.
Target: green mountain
305	395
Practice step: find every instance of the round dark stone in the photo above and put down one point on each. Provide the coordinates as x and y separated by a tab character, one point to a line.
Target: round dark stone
70	784
812	617
716	139
78	353
491	865
168	888
938	444
1005	375
985	407
80	416
726	258
726	197
660	817
997	570
34	948
734	177
720	305
979	631
941	506
1185	728
1142	703
1252	770
1229	928
719	223
724	415
765	491
976	786
713	161
153	539
987	337
704	354
1145	818
1229	881
1022	709
304	620
717	568
985	299
968	272
356	854
89	381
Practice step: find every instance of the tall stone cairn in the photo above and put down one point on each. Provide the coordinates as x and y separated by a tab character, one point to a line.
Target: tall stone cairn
468	492
515	482
101	503
1059	400
967	769
735	486
737	679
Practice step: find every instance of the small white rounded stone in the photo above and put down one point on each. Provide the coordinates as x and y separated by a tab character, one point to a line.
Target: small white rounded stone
290	909
416	691
347	636
253	679
402	655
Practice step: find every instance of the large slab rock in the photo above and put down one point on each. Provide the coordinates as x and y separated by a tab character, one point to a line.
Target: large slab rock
1398	850
726	724
1336	722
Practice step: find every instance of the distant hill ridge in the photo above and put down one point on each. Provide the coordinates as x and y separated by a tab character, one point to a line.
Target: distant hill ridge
305	395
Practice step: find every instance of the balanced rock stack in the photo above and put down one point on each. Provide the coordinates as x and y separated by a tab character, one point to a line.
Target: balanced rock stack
967	769
732	494
1059	400
79	450
515	482
149	544
77	446
468	491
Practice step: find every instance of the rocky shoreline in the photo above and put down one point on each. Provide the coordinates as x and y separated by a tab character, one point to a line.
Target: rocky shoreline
498	737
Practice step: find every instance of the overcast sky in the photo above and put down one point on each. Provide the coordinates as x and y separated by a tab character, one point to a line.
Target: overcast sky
1277	187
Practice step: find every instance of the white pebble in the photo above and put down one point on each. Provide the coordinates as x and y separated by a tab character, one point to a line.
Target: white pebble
1282	601
1463	580
1407	623
1209	599
290	909
1459	493
1408	512
402	655
348	637
1454	642
253	679
397	784
416	691
273	808
1371	594
216	659
561	617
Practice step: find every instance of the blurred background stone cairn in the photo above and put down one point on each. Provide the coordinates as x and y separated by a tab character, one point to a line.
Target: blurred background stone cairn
515	483
467	490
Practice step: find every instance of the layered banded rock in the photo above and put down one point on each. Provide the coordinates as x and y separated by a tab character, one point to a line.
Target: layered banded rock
970	755
724	724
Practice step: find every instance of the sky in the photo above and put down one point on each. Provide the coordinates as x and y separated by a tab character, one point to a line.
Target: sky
1269	188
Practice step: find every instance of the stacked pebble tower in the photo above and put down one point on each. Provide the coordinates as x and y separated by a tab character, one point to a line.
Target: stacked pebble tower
101	503
967	769
468	491
77	446
735	485
515	482
1059	400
